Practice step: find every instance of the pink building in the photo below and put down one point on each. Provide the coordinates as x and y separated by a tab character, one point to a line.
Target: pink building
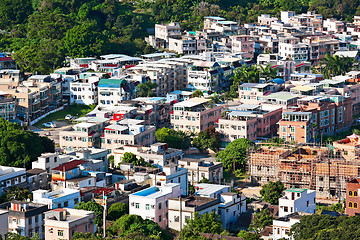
194	115
243	44
62	223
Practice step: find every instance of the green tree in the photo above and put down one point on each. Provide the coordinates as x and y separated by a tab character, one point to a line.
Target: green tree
146	89
205	223
248	235
174	139
14	12
134	227
197	93
272	191
131	158
208	138
336	65
117	210
235	154
96	208
16	193
268	72
111	161
18	147
204	180
261	220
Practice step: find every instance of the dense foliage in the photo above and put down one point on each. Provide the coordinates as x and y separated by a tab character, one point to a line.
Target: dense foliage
248	235
96	208
272	191
207	139
335	65
117	210
261	220
174	139
206	223
321	227
234	155
134	227
131	158
16	193
146	89
19	148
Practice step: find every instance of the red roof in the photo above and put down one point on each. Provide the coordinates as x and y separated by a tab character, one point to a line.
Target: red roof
2	59
69	165
103	190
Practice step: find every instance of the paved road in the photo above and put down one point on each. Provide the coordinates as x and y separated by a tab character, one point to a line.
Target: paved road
52	133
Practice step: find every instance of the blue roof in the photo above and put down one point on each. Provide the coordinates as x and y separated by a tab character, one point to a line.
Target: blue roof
278	81
156	99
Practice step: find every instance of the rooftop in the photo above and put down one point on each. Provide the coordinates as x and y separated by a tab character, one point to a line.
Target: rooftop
296	190
204	189
192	102
69	165
281	96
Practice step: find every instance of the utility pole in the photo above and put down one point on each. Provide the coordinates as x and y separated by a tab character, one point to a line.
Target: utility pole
104	216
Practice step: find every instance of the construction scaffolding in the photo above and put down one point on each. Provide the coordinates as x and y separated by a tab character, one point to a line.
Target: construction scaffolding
325	169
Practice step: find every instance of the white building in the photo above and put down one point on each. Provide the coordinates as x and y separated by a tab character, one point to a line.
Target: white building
48	161
152	203
11	176
84	91
230	207
111	91
64	197
282	225
297	200
211	190
291	48
4	226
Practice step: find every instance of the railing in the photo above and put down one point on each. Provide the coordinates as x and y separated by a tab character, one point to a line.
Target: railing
45	115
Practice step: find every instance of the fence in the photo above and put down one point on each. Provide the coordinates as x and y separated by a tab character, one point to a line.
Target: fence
46	114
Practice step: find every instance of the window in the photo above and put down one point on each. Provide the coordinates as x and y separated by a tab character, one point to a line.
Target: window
286	209
36	219
350	193
176	218
30	221
136	205
355	205
159	218
307	203
159	206
66	204
147	207
61	233
355	193
350	204
292	129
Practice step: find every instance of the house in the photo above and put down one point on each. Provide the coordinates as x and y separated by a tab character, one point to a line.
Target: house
84	91
112	91
230	207
204	75
37	179
199	169
7	106
25	218
152	203
210	190
181	209
352	197
4	219
251	93
62	223
194	115
297	200
11	176
64	197
243	44
282	225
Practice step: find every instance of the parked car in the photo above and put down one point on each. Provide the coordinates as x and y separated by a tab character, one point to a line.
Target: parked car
68	117
49	125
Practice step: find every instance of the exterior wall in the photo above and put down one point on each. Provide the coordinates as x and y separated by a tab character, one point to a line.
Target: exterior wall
198	120
181	177
111	96
10	176
281	229
83	93
203	80
243	44
64	201
230	209
352	207
291	131
196	173
49	161
4	226
297	202
235	129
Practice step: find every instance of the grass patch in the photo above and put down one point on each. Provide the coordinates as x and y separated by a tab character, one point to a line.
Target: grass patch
77	110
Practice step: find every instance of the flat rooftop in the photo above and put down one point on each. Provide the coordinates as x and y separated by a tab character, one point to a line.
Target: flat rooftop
206	188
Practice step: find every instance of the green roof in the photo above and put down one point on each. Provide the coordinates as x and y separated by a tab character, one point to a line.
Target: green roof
281	96
297	190
111	82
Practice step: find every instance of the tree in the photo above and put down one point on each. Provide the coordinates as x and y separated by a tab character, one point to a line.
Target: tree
272	191
248	235
131	158
117	210
268	72
197	93
204	180
261	220
14	12
96	208
174	139
335	65
242	75
234	155
18	147
111	159
325	227
208	138
16	193
134	227
205	223
146	89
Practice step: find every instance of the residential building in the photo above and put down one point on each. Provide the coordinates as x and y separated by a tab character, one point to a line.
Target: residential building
48	161
37	179
167	31
204	76
152	203
112	91
64	197
211	190
243	44
181	209
332	26
25	218
82	135
281	99
158	154
183	45
293	49
199	169
252	92
282	225
127	132
296	127
84	91
10	77
7	106
297	200
194	115
352	207
63	223
12	176
218	24
231	206
4	219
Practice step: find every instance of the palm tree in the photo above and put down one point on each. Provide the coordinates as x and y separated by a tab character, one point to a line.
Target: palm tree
267	72
336	65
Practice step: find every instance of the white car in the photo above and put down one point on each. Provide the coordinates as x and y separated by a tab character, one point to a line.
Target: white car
68	117
49	125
